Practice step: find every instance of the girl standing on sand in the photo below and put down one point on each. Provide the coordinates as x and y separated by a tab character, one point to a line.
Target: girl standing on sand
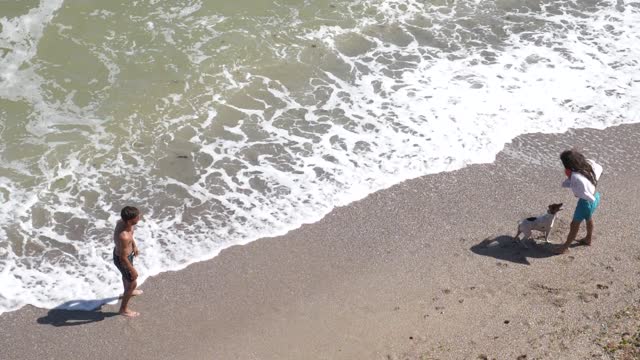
582	178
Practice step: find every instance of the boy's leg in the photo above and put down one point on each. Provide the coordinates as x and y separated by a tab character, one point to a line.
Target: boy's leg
136	291
573	232
129	287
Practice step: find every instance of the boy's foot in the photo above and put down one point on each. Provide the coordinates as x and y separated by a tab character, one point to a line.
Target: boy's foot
129	313
585	242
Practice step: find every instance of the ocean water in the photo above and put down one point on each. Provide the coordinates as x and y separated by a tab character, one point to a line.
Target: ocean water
227	121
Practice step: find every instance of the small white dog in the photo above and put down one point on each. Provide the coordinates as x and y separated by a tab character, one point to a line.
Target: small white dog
542	223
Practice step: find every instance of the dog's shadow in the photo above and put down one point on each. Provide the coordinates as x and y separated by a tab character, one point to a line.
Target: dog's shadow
505	247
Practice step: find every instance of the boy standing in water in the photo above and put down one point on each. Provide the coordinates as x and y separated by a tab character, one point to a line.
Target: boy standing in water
582	178
123	253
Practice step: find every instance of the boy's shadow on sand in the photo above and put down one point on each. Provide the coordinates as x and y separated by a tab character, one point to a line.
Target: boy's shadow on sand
506	248
69	313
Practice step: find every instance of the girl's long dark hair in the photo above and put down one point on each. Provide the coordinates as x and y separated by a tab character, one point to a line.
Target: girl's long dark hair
575	161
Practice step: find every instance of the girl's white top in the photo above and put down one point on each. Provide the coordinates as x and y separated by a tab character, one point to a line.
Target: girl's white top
581	186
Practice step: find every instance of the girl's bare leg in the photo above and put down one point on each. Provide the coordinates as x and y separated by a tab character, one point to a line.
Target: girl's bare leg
573	232
590	225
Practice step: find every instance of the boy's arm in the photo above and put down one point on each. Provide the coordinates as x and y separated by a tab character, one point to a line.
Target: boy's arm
135	247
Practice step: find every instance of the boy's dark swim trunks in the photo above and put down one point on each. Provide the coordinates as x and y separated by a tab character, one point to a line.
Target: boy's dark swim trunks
126	274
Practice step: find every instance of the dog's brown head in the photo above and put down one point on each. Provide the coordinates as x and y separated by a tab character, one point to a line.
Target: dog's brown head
554	208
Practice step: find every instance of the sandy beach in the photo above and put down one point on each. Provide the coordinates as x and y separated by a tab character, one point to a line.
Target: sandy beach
426	269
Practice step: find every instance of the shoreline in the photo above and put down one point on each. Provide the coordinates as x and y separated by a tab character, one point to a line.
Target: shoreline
403	273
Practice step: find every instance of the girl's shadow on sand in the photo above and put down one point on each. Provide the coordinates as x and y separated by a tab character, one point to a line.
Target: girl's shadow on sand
77	312
505	248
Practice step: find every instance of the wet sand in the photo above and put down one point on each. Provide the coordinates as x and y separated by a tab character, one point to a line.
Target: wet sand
426	269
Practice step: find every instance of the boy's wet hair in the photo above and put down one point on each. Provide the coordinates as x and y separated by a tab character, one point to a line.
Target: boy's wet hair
129	212
575	161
